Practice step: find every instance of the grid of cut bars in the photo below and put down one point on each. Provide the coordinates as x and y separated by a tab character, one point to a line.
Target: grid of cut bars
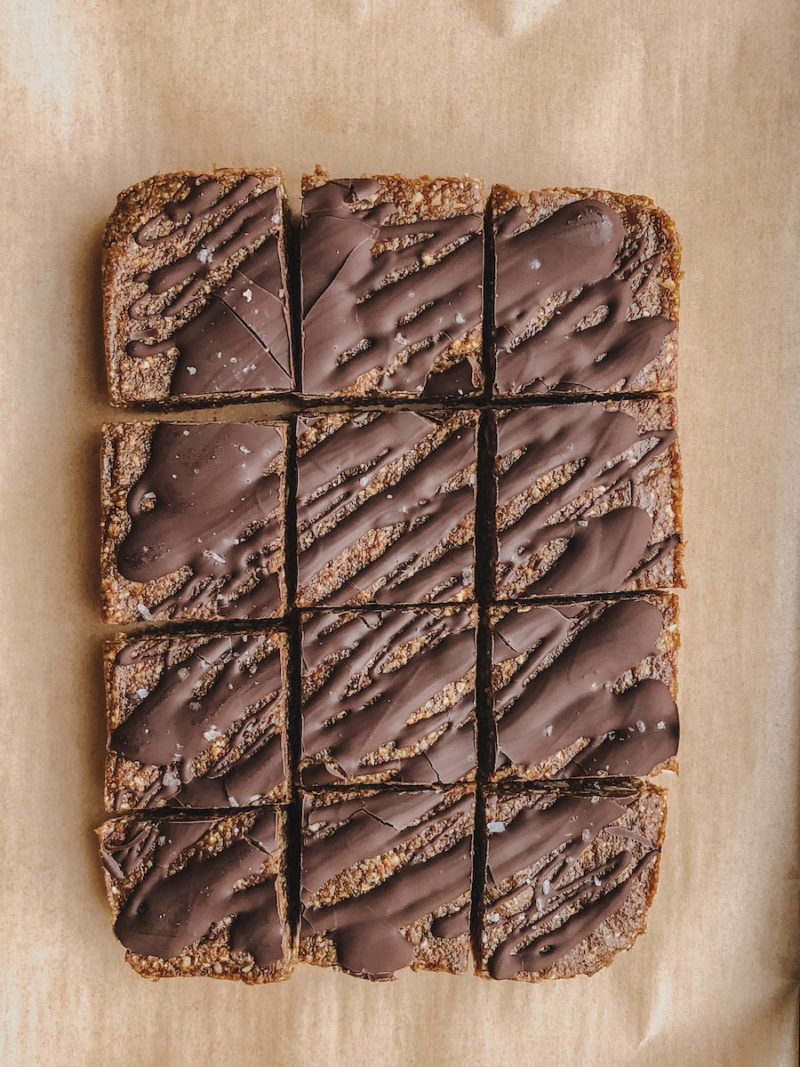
409	661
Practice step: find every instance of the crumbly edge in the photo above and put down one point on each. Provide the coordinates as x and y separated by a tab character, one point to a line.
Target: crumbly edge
659	296
124	457
418	199
131	381
663	666
126	779
210	956
618	932
442	954
658	489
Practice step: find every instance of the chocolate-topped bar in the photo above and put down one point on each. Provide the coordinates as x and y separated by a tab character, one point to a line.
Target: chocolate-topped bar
386	881
196	721
569	880
193	517
392	273
585	688
200	897
195	297
588	499
586	292
388	695
385	508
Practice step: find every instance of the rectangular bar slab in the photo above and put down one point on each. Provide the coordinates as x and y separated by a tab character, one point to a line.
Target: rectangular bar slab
386	508
195	297
388	695
200	897
196	721
588	499
586	292
569	880
585	688
193	521
386	881
392	286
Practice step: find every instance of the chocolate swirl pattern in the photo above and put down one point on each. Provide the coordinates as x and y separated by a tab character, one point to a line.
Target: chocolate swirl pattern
560	872
385	508
392	287
379	871
583	689
578	296
203	889
194	521
196	722
388	696
196	295
587	499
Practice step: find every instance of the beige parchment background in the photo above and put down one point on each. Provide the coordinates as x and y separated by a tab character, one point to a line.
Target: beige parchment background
691	102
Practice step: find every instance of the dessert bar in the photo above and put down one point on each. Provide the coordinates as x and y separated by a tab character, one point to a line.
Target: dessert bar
586	292
392	286
588	499
385	508
386	880
193	517
388	695
196	721
200	896
195	296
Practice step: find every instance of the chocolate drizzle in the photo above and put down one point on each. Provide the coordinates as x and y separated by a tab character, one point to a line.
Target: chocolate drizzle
576	511
385	508
560	676
556	870
209	508
578	259
222	306
388	695
194	886
385	300
420	842
210	732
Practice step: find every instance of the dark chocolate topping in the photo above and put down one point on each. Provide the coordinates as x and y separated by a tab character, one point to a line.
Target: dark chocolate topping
170	909
597	461
237	337
394	310
210	500
367	929
212	724
555	840
568	687
424	509
381	682
591	342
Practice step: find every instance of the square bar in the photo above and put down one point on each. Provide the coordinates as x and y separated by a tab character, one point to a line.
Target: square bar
585	688
386	508
193	521
586	292
389	695
386	881
588	499
392	286
569	880
200	897
195	297
196	721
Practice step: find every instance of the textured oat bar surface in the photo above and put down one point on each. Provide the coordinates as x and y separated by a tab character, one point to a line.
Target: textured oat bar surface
392	272
586	292
193	517
196	721
195	296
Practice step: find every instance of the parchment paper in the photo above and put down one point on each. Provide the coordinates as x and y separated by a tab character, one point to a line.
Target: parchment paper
691	103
